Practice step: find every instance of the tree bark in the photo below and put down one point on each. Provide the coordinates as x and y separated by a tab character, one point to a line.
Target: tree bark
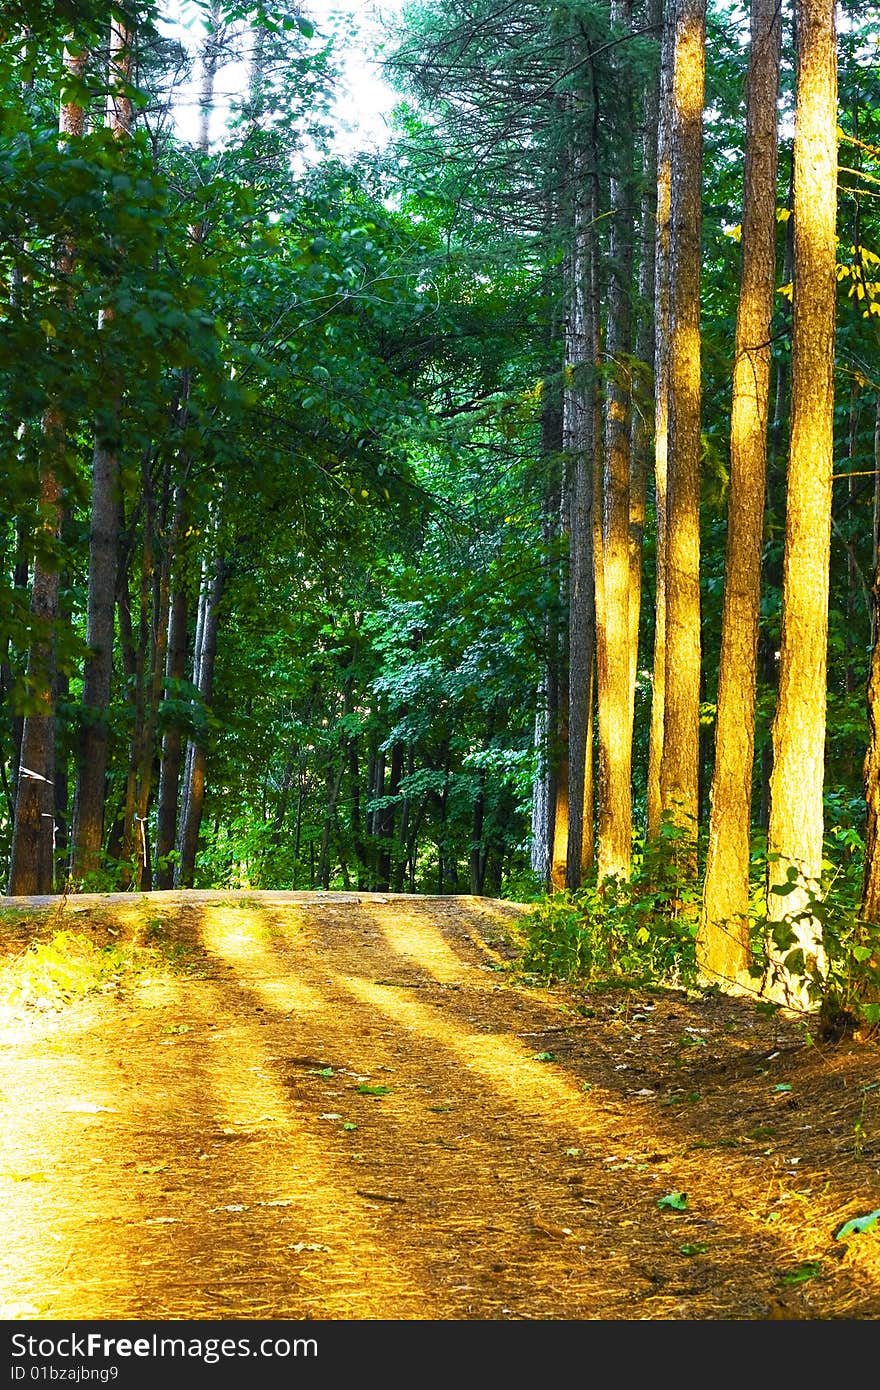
103	547
661	427
579	442
723	947
615	839
679	768
32	866
197	752
796	810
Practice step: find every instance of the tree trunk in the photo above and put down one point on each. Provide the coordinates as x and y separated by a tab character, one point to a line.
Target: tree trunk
32	868
723	949
641	433
796	812
175	670
579	441
615	839
197	751
870	905
88	819
679	768
661	426
547	713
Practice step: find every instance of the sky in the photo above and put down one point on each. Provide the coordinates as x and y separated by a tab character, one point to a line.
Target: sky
365	101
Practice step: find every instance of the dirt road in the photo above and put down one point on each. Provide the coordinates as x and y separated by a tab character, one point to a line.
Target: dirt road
318	1106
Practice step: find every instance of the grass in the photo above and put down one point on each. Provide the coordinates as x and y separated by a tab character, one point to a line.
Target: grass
59	963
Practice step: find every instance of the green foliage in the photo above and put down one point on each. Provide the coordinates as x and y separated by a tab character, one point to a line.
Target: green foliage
615	932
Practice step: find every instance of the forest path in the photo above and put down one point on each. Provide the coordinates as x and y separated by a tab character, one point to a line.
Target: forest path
352	1106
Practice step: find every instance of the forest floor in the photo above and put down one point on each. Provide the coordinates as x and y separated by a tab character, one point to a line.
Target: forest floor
356	1106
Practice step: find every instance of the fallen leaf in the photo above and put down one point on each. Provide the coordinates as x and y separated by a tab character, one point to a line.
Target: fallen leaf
808	1269
549	1229
151	1167
857	1225
674	1201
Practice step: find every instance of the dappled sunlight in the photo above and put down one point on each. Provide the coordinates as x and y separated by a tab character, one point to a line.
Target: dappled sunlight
512	1072
417	939
344	1112
240	936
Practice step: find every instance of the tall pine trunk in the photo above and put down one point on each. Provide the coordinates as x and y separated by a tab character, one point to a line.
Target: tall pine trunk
615	839
88	821
661	424
723	948
679	767
579	441
32	866
797	956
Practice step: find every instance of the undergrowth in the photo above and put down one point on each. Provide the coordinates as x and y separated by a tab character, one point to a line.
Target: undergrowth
643	933
69	964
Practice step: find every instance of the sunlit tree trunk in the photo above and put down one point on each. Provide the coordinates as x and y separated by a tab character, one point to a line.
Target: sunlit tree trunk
642	433
796	812
103	548
679	768
615	838
723	950
32	868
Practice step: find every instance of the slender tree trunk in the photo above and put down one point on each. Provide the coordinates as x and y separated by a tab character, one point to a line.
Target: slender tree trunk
642	434
579	440
870	904
796	811
175	670
615	840
33	839
546	716
103	547
32	868
679	768
723	949
197	752
661	424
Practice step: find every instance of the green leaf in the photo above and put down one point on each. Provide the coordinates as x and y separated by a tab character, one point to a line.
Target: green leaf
802	1272
782	1086
305	27
693	1249
545	1057
366	1090
858	1225
349	1127
674	1201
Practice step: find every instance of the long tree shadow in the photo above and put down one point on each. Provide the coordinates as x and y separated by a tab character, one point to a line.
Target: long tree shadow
349	1112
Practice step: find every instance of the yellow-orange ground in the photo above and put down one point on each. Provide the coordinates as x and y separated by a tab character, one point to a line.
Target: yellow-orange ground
343	1106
